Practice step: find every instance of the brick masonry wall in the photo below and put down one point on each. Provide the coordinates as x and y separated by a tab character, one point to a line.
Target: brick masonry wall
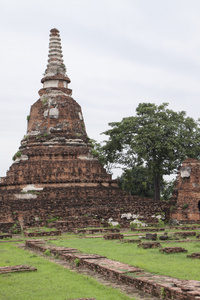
93	202
186	195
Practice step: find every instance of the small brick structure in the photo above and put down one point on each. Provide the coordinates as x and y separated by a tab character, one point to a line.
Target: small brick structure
42	233
194	255
113	236
151	236
173	250
194	227
150	245
147	229
96	230
5	235
18	268
164	237
185	234
131	241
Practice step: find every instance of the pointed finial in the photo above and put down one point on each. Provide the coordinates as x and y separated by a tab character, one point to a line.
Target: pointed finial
56	69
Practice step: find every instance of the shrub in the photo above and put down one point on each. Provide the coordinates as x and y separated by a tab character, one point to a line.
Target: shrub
53	219
44	101
137	224
185	206
112	225
17	155
47	252
77	262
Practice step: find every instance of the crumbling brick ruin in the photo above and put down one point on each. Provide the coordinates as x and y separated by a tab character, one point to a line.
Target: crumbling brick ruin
186	194
54	175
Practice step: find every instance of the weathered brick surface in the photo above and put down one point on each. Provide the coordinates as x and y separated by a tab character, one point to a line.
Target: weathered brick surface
151	236
65	202
96	230
42	233
147	229
150	245
113	236
6	226
173	250
186	234
186	194
194	255
19	268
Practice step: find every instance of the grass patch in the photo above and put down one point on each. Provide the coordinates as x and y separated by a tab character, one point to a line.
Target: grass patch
47	252
152	260
50	281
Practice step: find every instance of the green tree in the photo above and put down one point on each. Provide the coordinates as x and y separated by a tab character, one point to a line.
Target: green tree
167	189
157	138
137	181
104	156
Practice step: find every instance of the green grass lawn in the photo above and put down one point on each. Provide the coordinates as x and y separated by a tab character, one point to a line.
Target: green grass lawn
50	281
152	260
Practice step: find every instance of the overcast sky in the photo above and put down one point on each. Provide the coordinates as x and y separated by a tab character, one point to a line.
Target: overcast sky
118	53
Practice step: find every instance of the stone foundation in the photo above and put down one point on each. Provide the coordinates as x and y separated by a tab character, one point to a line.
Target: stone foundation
41	233
173	250
194	255
150	245
113	236
19	268
185	234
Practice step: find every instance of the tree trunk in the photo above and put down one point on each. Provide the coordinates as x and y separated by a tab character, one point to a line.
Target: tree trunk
157	187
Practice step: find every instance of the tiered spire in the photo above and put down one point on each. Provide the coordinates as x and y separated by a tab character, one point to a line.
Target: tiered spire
56	69
56	112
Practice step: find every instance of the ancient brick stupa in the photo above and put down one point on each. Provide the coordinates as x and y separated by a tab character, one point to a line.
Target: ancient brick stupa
54	174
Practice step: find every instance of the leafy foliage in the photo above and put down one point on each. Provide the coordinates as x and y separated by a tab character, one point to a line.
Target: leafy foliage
157	138
166	189
103	155
137	181
17	155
